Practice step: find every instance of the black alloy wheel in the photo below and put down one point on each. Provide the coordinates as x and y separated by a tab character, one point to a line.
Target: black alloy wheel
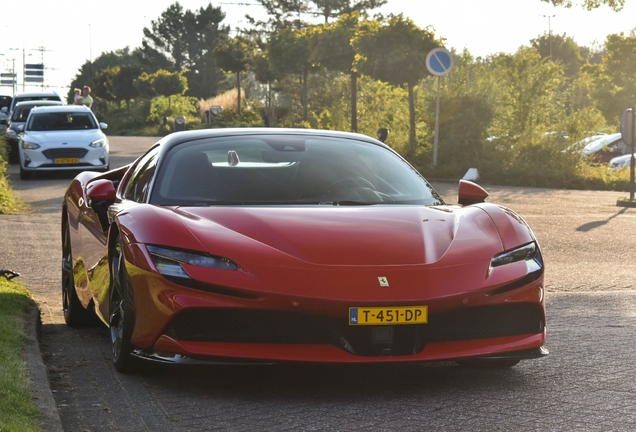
74	313
122	311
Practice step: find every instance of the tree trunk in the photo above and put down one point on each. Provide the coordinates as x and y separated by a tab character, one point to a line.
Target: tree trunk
238	86
411	119
354	102
270	106
305	93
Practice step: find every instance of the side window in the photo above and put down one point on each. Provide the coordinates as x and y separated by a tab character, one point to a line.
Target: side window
139	182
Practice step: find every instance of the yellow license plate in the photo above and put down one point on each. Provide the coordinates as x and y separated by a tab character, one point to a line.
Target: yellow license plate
388	315
66	161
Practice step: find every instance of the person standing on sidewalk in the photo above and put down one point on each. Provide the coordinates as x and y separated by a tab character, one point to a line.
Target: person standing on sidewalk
86	97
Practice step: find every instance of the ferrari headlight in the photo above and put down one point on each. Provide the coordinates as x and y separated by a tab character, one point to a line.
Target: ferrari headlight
168	261
30	145
526	252
98	143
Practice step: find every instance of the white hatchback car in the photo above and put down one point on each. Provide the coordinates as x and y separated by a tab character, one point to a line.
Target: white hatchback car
62	138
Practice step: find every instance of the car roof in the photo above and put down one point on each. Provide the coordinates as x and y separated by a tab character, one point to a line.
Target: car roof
177	138
61	108
601	142
33	94
38	102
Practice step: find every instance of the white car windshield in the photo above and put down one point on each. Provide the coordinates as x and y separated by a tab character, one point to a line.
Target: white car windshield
54	121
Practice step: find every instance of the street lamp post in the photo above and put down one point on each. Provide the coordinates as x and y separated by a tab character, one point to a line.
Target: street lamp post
549	32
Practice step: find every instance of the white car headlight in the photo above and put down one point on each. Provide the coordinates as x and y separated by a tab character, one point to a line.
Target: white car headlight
30	145
168	261
98	143
12	134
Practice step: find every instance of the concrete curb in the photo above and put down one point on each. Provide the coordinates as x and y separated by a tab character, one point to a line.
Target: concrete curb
37	376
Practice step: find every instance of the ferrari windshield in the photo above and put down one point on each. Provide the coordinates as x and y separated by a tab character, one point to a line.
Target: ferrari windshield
287	169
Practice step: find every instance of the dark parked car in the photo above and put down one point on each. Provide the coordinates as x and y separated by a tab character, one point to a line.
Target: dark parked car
18	117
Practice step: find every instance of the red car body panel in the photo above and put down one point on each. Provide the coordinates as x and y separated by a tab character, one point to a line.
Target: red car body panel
308	260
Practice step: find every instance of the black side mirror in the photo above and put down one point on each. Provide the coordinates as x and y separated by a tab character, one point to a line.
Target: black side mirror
383	134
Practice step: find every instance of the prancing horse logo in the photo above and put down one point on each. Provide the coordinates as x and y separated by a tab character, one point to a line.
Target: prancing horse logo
384	282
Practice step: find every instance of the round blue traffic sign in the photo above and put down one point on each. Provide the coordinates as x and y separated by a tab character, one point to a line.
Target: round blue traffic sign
439	61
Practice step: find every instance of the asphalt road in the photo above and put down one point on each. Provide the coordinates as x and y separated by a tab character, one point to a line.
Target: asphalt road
587	382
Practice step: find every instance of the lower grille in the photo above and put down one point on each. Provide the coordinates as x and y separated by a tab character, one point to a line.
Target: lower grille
257	326
57	153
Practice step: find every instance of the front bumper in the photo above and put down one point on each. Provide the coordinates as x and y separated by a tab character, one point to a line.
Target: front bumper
71	158
211	323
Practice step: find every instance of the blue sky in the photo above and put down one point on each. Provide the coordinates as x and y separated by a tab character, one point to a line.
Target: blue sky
64	33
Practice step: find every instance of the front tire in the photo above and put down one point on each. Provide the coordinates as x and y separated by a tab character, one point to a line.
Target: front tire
75	315
26	175
122	311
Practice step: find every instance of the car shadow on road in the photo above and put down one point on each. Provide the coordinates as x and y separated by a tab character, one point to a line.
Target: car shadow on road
261	383
596	224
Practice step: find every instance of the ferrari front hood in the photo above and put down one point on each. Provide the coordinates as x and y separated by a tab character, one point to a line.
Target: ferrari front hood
349	236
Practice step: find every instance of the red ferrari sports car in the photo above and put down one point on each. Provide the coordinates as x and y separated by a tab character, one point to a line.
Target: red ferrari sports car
276	245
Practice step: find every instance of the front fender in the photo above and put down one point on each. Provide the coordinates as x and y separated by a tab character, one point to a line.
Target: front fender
513	229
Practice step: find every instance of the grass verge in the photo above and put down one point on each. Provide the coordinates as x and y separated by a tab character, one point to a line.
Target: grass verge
8	201
17	410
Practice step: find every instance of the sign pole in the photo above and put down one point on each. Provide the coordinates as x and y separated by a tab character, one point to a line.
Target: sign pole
436	137
628	134
439	62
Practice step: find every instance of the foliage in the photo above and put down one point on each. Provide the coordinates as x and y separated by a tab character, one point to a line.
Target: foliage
161	83
8	202
331	48
182	39
589	4
619	65
526	93
286	14
106	60
378	57
338	8
563	49
289	53
230	118
510	115
17	410
172	106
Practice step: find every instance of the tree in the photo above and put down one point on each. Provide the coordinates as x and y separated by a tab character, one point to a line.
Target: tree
106	60
526	93
561	48
124	83
331	48
185	40
161	83
589	4
289	53
234	55
379	57
265	74
286	14
615	84
338	8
